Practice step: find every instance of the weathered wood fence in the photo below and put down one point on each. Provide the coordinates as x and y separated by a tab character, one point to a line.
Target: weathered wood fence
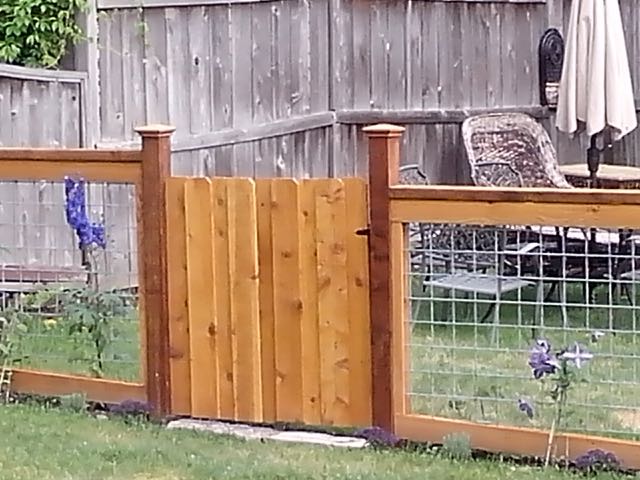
268	285
40	108
282	88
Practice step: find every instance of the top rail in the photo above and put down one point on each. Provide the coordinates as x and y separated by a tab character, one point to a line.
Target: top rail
515	206
488	206
119	166
584	196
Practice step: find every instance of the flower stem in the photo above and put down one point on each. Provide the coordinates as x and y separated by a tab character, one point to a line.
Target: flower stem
562	395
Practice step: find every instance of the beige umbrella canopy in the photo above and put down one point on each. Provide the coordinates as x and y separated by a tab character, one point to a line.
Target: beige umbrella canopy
595	88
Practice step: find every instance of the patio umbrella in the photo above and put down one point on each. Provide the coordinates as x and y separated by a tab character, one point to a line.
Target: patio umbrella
595	88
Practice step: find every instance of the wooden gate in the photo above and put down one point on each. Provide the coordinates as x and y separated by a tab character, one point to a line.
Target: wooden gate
269	300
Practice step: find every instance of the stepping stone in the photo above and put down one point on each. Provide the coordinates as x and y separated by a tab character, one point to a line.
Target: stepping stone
249	432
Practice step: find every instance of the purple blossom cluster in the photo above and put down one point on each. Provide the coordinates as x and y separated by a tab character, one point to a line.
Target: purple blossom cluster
88	233
378	437
526	407
543	362
597	460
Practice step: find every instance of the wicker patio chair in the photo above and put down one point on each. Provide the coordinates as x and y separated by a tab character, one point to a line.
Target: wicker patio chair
472	259
509	148
513	149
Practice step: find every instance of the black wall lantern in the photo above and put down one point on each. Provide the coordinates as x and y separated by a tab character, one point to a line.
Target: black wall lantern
550	57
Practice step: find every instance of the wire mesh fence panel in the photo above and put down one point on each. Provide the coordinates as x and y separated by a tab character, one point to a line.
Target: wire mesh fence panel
68	277
497	313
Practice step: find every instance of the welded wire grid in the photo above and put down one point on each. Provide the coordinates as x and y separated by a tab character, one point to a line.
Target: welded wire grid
480	296
77	312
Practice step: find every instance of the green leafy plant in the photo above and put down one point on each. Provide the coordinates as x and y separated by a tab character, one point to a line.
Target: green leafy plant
11	326
37	33
74	402
88	314
561	368
457	446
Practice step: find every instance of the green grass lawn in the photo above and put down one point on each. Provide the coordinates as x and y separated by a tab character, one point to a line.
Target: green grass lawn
458	370
52	444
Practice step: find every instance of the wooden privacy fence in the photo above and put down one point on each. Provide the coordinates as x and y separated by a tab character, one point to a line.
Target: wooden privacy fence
269	300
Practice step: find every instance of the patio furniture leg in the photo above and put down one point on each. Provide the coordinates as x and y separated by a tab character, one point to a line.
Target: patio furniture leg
552	290
627	293
488	313
538	308
496	311
563	304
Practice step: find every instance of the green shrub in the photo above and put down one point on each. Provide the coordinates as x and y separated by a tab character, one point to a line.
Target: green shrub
457	446
37	33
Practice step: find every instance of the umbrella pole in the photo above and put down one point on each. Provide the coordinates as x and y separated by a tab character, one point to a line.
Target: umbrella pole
593	160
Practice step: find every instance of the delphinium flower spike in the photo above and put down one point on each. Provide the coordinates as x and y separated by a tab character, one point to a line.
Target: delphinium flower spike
88	233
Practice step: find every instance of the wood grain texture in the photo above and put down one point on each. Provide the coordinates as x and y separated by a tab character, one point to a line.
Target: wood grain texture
180	364
332	300
278	321
384	153
222	230
310	345
267	317
287	298
514	440
156	161
54	384
245	327
515	213
359	348
184	62
202	290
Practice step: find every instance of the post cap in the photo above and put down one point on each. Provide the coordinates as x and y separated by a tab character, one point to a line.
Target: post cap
383	130
155	130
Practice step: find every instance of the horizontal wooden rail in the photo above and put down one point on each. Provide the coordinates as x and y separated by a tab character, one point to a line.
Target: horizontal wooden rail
70	154
41	75
236	136
515	213
113	4
514	440
585	196
96	389
516	206
54	164
429	116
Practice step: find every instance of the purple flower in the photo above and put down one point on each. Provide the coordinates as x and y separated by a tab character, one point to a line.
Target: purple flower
577	355
88	233
526	407
378	437
541	361
130	407
597	460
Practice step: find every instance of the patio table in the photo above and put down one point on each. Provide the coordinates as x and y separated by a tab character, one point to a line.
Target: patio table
609	176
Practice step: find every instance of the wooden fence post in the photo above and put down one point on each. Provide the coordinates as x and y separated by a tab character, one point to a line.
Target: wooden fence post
384	164
156	168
